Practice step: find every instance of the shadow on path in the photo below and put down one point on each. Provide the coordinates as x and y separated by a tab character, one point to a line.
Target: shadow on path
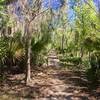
51	84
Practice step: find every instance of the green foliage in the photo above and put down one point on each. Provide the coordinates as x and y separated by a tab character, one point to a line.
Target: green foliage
11	49
86	64
94	69
42	40
40	45
2	4
15	48
2	78
3	49
74	60
92	43
71	47
91	76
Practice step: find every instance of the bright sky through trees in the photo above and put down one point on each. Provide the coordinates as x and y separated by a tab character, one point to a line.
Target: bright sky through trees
55	4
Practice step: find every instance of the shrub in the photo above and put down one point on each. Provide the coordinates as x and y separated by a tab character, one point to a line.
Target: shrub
74	60
3	49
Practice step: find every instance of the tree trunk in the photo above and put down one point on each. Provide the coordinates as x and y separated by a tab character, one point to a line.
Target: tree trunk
28	73
81	52
28	54
62	44
89	55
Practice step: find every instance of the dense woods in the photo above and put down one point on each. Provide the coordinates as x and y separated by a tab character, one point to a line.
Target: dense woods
44	37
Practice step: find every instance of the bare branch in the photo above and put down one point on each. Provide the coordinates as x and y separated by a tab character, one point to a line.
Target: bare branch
35	15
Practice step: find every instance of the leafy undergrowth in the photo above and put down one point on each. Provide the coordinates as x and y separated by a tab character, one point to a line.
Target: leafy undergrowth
50	84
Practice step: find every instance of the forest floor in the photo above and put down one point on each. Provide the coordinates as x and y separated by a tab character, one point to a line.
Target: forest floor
50	84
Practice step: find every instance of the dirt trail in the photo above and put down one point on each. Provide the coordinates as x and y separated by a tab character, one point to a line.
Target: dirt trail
53	59
50	84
